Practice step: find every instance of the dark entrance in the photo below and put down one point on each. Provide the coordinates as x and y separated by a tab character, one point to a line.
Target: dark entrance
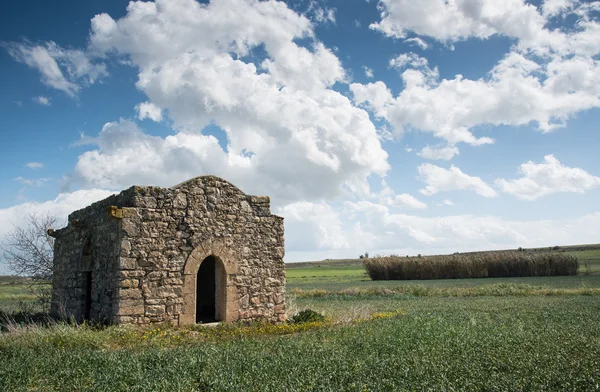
87	281
87	310
205	292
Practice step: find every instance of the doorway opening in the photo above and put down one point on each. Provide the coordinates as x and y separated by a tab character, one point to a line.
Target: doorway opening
87	281
87	310
206	288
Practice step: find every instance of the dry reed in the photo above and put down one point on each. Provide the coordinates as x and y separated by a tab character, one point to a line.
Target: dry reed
482	265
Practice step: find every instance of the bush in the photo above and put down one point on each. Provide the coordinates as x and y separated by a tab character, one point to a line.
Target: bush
482	265
307	316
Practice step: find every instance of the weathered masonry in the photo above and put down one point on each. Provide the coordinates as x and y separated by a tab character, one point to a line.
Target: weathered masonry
199	252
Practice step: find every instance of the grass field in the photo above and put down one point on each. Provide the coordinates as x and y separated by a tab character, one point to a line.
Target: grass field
521	334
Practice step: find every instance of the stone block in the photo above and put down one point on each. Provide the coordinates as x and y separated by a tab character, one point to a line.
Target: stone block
155	310
131	307
130	294
128	263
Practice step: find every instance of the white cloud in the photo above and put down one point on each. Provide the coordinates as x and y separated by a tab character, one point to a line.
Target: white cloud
315	226
62	69
546	178
436	153
34	165
32	181
287	131
126	156
551	8
320	14
548	76
459	20
448	202
149	110
388	197
406	200
418	42
380	229
517	92
44	101
451	21
411	59
368	71
375	96
439	179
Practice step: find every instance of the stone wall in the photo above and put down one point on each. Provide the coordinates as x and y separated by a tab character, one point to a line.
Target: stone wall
155	240
95	225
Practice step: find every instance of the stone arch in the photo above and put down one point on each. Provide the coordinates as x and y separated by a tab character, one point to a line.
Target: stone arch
226	292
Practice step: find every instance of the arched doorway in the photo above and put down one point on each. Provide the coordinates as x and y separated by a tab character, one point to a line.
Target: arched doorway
206	291
210	291
197	271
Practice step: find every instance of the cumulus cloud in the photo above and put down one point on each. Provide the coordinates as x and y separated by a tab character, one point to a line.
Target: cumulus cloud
388	197
126	155
315	226
320	14
409	59
63	69
418	42
437	153
451	21
546	178
380	228
457	20
439	179
149	110
517	92
286	129
44	101
551	8
368	71
406	200
34	165
546	78
32	181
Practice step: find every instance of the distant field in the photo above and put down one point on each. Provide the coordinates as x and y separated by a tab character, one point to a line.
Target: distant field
354	267
317	271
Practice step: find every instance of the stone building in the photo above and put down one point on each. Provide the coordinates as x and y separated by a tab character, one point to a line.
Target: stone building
199	252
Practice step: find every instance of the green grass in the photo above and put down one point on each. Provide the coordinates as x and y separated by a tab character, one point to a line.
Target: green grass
337	283
312	272
16	295
514	343
518	334
591	256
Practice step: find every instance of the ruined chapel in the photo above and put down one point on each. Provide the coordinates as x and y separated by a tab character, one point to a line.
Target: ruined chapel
199	252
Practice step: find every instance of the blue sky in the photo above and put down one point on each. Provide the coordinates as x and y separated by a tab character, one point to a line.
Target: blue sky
388	127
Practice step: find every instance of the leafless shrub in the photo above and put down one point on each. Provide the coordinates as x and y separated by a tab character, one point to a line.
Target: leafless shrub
29	251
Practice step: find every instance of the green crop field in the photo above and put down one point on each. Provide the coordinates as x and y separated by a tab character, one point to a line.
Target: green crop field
517	334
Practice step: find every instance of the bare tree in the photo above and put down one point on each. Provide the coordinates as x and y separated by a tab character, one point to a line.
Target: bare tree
29	251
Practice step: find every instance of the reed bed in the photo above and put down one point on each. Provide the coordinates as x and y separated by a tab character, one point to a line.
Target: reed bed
464	266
